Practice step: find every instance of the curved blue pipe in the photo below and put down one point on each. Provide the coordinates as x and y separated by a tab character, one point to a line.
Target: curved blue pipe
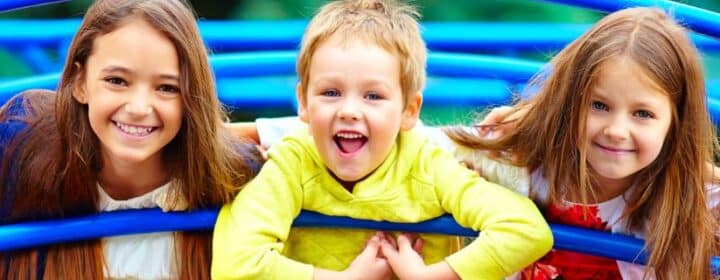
232	36
33	234
700	20
9	5
256	64
280	92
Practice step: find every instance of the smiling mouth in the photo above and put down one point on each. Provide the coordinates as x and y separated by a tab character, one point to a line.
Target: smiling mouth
350	142
134	130
614	150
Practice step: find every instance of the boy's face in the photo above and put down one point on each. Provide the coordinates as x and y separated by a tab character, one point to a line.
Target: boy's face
354	106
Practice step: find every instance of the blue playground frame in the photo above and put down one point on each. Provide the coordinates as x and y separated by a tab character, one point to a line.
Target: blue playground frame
449	72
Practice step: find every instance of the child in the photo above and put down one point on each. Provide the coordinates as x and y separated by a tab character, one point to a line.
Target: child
633	81
135	123
361	71
621	142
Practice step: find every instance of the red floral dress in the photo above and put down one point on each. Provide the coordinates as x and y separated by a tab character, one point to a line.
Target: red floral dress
561	264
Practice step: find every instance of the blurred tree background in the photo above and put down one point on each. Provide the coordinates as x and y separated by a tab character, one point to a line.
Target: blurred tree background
432	10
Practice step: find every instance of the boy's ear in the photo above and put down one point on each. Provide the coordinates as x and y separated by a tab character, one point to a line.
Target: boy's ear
79	92
302	103
412	111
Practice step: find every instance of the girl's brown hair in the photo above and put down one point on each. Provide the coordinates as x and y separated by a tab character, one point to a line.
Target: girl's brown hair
51	170
670	192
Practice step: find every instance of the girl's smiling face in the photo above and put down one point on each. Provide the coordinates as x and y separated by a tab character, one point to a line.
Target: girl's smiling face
628	120
131	87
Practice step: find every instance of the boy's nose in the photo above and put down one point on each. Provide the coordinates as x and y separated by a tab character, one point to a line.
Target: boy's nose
349	112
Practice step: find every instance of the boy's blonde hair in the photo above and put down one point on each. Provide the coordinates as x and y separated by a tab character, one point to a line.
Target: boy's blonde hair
387	23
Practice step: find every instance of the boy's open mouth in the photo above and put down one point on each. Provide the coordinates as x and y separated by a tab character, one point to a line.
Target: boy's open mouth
350	142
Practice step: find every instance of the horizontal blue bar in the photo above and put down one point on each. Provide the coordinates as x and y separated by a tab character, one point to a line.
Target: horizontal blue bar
33	234
232	36
697	19
280	91
258	64
9	5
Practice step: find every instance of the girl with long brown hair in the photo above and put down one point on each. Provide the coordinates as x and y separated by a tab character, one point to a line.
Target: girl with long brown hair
135	123
618	138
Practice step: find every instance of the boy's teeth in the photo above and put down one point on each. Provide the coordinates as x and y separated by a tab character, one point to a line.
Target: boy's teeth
349	135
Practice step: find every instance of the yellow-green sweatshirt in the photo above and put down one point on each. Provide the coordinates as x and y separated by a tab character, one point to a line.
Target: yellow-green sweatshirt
418	181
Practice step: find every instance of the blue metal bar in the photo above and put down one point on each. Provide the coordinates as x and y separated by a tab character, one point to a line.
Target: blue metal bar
700	20
231	36
280	91
9	5
33	234
38	59
283	64
439	64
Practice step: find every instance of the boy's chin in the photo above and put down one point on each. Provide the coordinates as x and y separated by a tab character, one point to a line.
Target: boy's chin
348	179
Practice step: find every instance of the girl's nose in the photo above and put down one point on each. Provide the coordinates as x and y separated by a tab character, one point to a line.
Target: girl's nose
617	131
139	104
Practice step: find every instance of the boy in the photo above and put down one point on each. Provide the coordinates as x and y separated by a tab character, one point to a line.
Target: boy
361	70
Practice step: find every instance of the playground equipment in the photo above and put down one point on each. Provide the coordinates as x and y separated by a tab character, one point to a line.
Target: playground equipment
241	76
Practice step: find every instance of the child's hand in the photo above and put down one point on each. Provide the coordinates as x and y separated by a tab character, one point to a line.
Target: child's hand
370	264
404	255
406	261
499	121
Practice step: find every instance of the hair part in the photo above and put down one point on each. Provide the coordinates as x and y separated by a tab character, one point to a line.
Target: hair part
387	23
681	238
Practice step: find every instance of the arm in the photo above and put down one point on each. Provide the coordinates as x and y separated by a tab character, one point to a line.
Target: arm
513	232
244	130
266	131
250	232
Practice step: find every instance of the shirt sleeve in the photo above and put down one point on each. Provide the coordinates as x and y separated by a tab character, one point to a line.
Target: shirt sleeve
492	169
272	130
513	233
250	233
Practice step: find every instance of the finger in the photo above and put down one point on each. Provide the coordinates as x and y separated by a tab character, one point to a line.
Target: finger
418	246
389	239
404	243
371	248
388	251
496	115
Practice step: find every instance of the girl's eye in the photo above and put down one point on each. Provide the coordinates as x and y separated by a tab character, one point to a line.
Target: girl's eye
169	89
116	81
644	114
331	93
597	105
373	96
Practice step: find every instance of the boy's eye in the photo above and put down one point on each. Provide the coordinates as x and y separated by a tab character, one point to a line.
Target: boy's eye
116	81
597	105
169	89
331	93
373	95
644	114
